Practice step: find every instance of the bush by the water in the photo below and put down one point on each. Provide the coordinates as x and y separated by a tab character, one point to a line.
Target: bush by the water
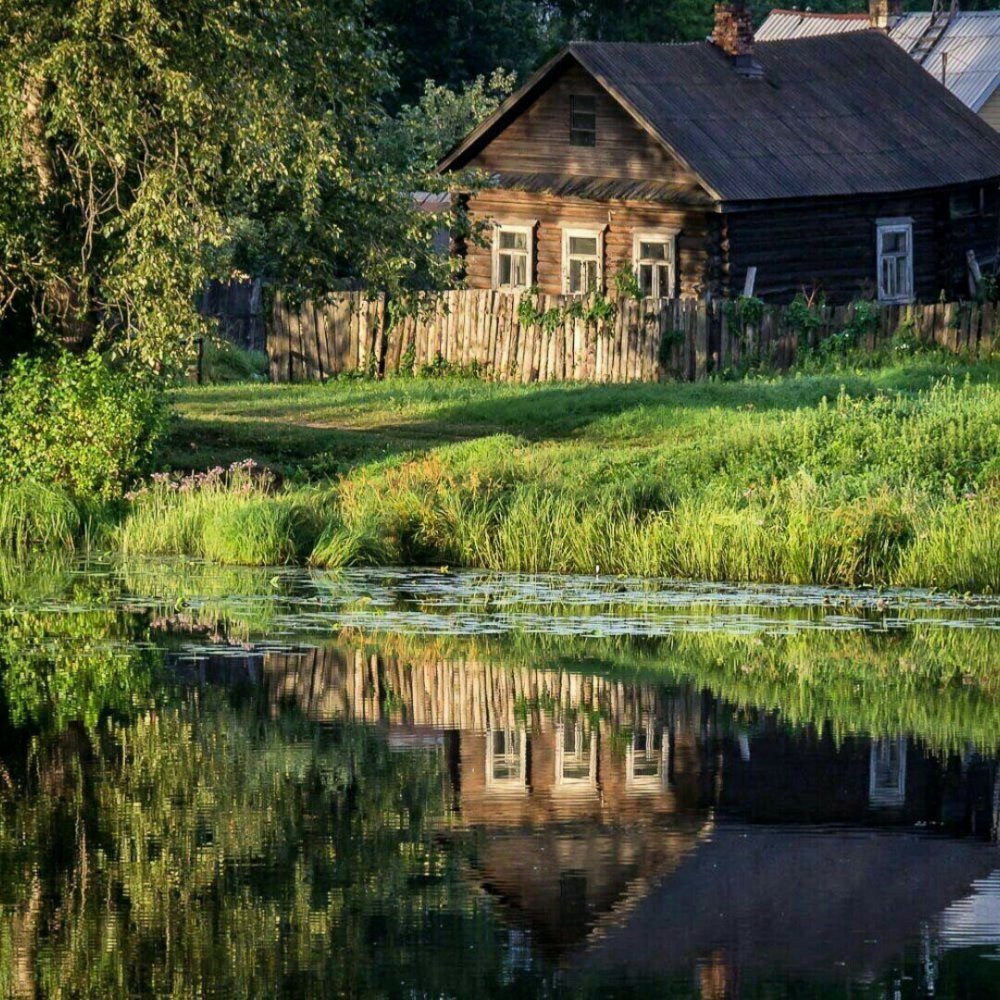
77	424
74	434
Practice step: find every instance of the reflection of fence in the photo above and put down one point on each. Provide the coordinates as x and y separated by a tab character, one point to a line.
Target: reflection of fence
561	338
451	694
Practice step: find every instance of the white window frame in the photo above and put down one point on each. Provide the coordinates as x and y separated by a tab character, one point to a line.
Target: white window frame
885	227
583	756
514	757
527	229
568	234
668	236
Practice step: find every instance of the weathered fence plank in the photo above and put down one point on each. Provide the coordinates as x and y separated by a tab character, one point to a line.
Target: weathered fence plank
642	341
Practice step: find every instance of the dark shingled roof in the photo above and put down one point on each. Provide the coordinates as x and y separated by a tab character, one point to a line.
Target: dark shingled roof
835	115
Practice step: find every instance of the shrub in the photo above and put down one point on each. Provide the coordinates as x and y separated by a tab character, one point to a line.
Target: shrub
223	361
77	424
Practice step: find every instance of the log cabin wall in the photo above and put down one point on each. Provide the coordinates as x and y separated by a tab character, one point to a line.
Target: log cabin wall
699	261
537	141
831	245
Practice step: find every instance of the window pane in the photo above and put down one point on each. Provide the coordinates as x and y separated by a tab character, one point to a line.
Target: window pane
583	245
888	284
894	242
582	121
664	289
520	269
591	272
504	277
513	241
575	276
653	251
901	276
645	276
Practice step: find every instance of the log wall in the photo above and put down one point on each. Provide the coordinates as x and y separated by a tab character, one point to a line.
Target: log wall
649	341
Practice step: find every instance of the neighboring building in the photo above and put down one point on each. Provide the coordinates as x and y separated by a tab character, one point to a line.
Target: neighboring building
832	162
960	48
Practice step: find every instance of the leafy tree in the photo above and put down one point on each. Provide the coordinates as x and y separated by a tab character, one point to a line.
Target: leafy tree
147	145
420	134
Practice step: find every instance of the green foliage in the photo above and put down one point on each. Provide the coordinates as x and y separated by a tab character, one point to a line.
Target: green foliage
421	133
743	313
36	517
223	361
626	283
144	150
77	424
227	515
804	317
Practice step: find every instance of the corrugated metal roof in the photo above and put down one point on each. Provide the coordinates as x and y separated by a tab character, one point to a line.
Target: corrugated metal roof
835	115
971	40
785	24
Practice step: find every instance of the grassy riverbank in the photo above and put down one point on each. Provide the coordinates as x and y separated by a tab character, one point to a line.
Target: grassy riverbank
883	477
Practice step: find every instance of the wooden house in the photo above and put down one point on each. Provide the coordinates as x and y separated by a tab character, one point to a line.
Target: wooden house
832	163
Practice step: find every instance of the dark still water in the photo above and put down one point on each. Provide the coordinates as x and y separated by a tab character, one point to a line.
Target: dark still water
238	783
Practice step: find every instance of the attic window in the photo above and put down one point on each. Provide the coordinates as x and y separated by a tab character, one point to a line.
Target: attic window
582	121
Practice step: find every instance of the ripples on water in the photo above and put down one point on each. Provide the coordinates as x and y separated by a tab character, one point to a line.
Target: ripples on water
223	782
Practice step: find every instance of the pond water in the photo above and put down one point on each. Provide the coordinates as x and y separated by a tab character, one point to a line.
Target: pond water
281	783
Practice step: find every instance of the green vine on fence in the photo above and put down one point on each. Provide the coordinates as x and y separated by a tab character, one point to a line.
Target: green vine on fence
742	314
597	309
804	317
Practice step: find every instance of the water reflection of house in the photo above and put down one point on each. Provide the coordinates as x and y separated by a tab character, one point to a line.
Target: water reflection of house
617	818
589	789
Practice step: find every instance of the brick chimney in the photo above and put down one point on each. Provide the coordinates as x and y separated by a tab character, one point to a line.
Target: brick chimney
733	34
884	13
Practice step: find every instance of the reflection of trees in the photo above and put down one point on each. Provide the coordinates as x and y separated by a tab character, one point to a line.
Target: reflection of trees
58	667
206	846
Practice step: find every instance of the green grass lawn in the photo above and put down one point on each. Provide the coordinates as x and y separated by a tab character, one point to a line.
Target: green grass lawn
319	431
889	476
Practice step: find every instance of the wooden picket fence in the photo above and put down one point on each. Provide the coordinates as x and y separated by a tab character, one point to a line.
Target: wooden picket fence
652	340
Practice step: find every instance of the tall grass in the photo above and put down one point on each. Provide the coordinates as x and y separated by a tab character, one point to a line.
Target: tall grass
225	515
36	517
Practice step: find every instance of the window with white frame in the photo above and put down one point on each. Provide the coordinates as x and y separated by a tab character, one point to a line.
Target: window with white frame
506	760
895	260
654	255
512	263
583	253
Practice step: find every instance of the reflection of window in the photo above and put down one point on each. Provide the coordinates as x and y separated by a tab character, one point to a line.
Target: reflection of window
582	253
506	759
646	759
582	121
895	260
576	757
512	257
654	264
887	774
